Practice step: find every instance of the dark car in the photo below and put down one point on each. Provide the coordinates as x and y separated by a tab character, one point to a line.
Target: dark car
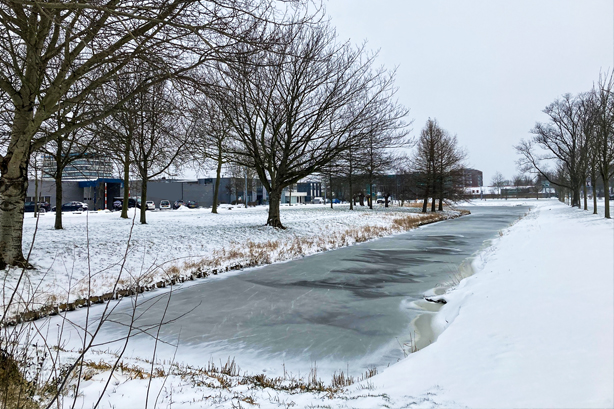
72	206
119	201
191	204
178	204
42	207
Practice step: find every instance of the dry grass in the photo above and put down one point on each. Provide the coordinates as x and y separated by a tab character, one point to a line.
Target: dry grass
228	375
253	253
16	392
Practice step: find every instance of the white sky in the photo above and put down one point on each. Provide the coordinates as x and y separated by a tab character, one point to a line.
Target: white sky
485	69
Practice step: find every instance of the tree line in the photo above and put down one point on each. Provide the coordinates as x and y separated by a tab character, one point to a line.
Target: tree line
575	147
261	85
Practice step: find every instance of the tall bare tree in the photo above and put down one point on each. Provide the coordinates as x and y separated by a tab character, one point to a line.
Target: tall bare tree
293	109
212	136
60	53
561	142
63	150
448	167
604	134
424	158
161	133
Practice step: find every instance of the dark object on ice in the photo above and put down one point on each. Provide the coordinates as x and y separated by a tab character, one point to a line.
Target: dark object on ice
439	300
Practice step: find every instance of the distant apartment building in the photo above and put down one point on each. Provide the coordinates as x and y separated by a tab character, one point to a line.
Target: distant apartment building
472	178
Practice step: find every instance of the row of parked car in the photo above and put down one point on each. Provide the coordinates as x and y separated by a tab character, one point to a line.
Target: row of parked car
117	205
150	204
46	207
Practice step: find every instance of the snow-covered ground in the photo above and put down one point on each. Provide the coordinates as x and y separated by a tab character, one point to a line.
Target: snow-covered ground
533	327
87	256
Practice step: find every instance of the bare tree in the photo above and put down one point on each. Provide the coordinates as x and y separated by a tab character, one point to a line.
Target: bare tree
63	150
498	181
60	54
377	155
561	142
160	133
294	109
604	134
212	136
448	169
424	159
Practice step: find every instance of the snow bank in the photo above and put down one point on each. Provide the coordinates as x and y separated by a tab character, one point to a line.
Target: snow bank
534	327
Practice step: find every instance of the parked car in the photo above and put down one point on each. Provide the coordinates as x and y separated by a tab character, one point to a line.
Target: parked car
380	200
191	204
42	207
72	206
336	201
178	204
119	201
165	204
150	205
29	207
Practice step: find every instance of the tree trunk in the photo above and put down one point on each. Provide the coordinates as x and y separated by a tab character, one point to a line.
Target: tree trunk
58	201
425	201
274	219
585	196
216	187
606	195
386	200
351	193
594	188
143	201
124	214
13	189
575	198
370	198
433	201
362	198
330	185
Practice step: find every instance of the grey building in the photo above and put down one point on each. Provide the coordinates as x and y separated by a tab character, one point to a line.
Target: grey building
92	192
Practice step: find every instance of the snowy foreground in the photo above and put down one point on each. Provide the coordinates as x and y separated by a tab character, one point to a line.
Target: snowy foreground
533	327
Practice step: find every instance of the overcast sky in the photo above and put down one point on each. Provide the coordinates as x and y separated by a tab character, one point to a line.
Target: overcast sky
484	69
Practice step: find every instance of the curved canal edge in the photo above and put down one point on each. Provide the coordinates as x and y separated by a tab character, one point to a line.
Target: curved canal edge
425	332
253	255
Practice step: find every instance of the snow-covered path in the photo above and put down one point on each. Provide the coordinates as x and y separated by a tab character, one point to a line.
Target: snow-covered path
534	327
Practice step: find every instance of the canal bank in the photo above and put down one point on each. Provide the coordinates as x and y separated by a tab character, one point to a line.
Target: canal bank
349	309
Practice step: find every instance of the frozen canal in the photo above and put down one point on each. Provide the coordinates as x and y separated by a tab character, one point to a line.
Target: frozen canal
348	308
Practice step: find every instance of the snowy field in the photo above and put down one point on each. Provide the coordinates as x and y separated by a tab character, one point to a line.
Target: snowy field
87	256
533	327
